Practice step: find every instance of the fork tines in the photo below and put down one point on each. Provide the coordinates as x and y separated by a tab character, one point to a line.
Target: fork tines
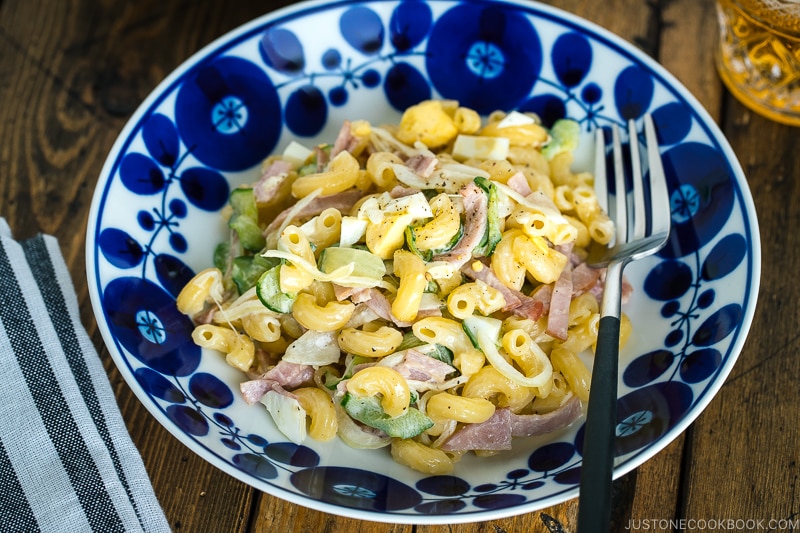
639	212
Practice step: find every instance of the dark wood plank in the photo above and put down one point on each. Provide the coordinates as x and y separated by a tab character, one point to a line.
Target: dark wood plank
743	461
687	46
752	423
274	514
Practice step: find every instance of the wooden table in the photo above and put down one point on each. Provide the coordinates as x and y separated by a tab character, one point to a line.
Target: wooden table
73	71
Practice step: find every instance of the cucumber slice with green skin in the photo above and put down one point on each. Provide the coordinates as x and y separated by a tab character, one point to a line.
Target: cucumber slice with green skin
221	255
332	381
409	341
243	202
365	263
246	270
493	228
268	290
249	233
564	137
441	353
244	220
411	242
368	410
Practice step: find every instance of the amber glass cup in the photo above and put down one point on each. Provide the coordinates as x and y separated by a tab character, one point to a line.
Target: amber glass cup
759	55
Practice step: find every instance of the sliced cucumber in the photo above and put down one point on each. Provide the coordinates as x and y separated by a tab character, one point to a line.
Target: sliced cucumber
368	410
409	341
244	220
365	263
268	289
249	233
440	353
221	255
493	228
246	270
411	242
243	202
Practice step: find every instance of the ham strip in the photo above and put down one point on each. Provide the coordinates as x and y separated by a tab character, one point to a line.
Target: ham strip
343	201
417	366
530	308
532	425
398	191
280	378
496	433
492	435
322	157
382	307
268	187
355	294
561	297
543	294
519	184
516	302
584	278
476	208
345	140
423	165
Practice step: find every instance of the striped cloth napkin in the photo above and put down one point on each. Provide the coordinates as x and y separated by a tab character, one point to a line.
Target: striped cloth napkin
67	462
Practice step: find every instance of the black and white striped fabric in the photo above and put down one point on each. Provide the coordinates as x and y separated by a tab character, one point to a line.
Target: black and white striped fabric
67	462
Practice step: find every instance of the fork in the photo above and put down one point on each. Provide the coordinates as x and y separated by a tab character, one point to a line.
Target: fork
642	229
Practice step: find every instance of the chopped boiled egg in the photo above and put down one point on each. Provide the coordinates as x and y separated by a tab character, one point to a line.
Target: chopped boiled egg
297	154
480	147
515	118
376	208
353	229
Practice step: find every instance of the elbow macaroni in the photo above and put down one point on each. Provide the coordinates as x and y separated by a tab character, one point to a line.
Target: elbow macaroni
475	296
378	343
421	458
342	173
440	231
411	271
332	316
294	278
238	349
459	408
448	333
319	408
393	388
540	260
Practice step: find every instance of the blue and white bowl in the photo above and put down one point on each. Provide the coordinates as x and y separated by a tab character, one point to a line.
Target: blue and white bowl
298	73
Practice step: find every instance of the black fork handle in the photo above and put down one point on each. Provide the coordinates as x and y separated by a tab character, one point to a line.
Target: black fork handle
594	505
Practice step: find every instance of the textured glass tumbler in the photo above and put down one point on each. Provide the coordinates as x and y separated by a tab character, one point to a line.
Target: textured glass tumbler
759	55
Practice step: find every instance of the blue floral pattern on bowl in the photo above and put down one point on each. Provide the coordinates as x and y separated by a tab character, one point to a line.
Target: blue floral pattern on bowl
207	127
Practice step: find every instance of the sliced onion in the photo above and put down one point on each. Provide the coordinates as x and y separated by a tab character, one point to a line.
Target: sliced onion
315	348
288	414
354	436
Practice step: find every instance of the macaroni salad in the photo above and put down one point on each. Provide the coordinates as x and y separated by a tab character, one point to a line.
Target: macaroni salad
420	286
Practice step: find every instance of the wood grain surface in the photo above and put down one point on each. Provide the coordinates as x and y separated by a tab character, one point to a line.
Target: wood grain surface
73	71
